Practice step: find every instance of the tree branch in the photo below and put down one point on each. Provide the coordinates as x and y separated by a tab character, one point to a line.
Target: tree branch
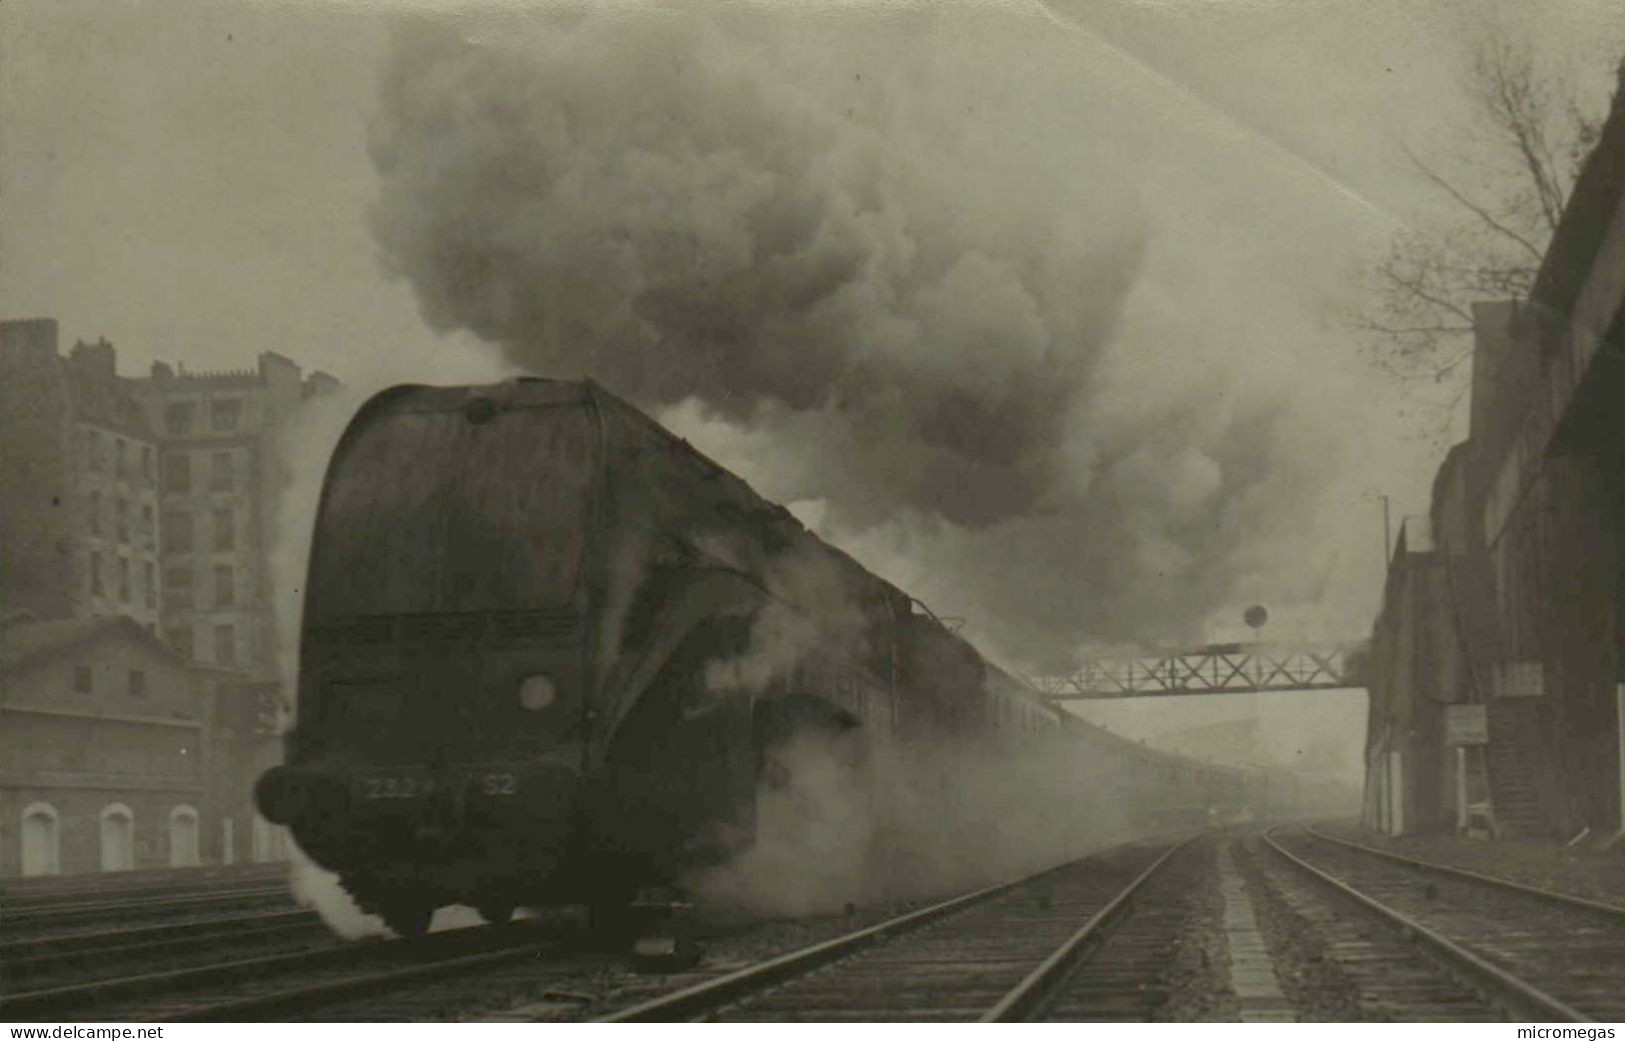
1480	212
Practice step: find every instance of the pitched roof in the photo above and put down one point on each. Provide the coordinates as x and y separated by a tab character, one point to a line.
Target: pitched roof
24	642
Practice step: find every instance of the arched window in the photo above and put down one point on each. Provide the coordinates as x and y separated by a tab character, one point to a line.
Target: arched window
183	837
40	840
118	837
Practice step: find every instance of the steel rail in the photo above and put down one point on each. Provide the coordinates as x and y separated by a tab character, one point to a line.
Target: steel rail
1030	994
44	887
136	898
301	997
712	994
702	997
104	939
245	930
1550	895
80	909
79	997
1455	952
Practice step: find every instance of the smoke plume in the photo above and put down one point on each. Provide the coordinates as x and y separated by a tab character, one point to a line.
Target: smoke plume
915	821
863	260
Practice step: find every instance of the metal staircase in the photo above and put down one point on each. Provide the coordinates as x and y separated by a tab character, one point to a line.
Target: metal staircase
1514	765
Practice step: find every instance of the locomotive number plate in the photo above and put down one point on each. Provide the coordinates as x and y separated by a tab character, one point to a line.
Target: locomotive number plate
394	786
499	782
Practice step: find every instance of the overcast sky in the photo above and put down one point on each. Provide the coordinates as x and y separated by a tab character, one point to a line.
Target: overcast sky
192	181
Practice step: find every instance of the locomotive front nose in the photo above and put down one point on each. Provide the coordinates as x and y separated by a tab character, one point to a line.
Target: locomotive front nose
516	812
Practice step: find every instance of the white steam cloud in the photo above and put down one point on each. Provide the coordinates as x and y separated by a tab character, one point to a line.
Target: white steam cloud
862	258
914	821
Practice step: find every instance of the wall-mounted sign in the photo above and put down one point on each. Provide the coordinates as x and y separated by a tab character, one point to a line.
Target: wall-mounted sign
1466	725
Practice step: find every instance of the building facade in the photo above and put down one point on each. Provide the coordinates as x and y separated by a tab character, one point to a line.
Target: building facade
78	482
1514	719
152	498
139	651
218	487
115	754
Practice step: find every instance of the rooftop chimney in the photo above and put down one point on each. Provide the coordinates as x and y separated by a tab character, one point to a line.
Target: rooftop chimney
98	357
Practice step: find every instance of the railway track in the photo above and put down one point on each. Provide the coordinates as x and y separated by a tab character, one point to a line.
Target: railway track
1457	945
1010	952
61	959
60	914
19	892
280	985
1091	940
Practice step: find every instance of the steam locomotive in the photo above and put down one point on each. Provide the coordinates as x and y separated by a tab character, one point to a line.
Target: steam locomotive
549	650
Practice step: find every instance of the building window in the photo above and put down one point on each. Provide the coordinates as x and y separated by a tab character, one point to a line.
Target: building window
178	589
225	532
177	473
225	645
123	580
225	589
93	452
222	473
180	638
178	417
95	574
95	511
183	837
146	519
40	852
138	683
226	414
149	579
121	520
82	682
146	462
119	449
118	838
178	532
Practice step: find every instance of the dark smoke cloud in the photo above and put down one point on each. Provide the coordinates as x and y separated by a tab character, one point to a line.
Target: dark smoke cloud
812	236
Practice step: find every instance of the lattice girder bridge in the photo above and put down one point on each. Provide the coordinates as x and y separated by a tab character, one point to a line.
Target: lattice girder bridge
1232	668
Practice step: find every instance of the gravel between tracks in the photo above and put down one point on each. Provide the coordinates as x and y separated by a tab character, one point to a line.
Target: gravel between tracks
1317	988
1199	972
1599	875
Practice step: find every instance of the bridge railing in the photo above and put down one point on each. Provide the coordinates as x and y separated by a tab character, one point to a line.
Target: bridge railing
1239	668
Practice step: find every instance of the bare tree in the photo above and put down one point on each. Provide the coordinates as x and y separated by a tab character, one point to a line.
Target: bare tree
1532	135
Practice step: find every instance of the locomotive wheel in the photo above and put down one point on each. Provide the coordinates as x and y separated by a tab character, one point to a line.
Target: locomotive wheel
407	918
496	910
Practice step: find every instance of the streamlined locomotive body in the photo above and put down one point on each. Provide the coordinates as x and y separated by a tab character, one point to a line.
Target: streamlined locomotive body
548	650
